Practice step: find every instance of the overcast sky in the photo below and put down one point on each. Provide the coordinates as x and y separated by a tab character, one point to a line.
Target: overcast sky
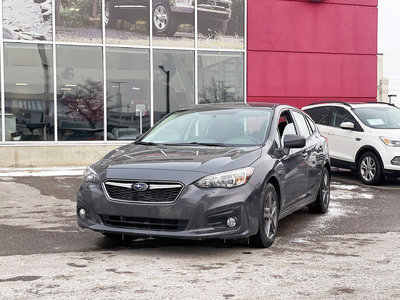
389	43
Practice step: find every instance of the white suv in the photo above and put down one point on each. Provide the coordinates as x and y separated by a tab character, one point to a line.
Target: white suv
364	137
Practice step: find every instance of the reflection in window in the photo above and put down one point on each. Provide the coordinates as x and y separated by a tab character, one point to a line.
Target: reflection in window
127	24
173	23
80	93
27	20
28	85
78	21
220	24
173	81
128	93
220	77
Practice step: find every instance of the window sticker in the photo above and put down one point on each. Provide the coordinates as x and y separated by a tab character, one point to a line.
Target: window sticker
375	122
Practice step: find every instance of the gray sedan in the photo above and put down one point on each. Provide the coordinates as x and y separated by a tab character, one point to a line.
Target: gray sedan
224	171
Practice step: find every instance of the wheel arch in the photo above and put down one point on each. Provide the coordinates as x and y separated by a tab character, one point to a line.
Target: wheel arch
275	182
365	149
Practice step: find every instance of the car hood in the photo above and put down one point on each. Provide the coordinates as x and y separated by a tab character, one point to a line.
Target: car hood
206	160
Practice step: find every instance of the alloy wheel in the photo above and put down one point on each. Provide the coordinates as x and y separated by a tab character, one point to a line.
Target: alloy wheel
368	168
160	17
325	188
270	215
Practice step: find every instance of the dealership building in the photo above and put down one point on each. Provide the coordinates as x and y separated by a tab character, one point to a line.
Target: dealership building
80	78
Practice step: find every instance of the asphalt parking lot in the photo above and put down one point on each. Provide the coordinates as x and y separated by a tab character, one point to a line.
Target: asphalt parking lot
350	252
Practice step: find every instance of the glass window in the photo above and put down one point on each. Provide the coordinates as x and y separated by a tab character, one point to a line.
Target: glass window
227	126
301	124
80	93
28	92
220	77
173	23
127	24
320	115
285	126
220	24
340	115
379	117
311	125
27	20
173	80
78	21
128	93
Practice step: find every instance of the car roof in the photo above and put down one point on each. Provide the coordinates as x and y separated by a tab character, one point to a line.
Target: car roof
231	105
351	105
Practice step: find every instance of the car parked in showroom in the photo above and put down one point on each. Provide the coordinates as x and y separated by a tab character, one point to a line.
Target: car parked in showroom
224	171
167	15
363	137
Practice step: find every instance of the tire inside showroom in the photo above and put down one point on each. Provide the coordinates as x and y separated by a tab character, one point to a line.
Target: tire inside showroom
162	19
268	223
321	204
370	169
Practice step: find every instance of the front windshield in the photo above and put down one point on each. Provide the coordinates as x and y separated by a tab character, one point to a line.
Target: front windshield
219	127
379	117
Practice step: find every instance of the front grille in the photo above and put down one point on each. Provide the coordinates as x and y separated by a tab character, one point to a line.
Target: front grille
145	223
157	192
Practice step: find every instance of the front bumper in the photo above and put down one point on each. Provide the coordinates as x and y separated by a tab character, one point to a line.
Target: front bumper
203	212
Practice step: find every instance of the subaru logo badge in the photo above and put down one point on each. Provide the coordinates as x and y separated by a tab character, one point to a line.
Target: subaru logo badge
140	187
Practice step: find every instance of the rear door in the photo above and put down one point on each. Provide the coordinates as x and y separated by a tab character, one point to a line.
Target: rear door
344	145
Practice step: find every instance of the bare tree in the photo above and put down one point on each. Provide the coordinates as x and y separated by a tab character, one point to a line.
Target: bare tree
85	102
215	92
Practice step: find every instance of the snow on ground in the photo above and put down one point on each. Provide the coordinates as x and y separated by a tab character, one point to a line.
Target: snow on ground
50	171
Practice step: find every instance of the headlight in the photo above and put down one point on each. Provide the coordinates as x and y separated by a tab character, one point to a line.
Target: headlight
227	179
391	142
90	175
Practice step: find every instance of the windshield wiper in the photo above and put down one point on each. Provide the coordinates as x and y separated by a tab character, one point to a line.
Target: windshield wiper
148	143
199	144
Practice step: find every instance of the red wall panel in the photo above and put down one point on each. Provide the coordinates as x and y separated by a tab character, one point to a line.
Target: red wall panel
311	75
312	27
300	52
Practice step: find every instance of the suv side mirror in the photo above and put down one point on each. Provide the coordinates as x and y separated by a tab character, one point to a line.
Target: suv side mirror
347	125
293	141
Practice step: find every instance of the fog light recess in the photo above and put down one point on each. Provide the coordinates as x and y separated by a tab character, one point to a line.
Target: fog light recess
82	213
396	161
231	222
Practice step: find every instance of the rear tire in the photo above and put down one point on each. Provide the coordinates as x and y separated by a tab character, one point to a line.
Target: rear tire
321	204
268	222
370	169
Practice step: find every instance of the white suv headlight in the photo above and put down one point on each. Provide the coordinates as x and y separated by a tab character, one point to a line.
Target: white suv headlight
90	175
227	179
390	142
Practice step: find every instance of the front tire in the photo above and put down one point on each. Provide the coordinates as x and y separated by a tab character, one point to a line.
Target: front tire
370	169
268	223
321	204
162	19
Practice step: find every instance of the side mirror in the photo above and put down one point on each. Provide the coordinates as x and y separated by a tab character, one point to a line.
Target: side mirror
293	141
347	125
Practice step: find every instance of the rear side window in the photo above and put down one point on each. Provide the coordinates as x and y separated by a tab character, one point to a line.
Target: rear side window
301	124
320	115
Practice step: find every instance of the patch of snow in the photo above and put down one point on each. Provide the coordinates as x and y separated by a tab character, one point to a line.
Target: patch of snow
51	171
345	187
